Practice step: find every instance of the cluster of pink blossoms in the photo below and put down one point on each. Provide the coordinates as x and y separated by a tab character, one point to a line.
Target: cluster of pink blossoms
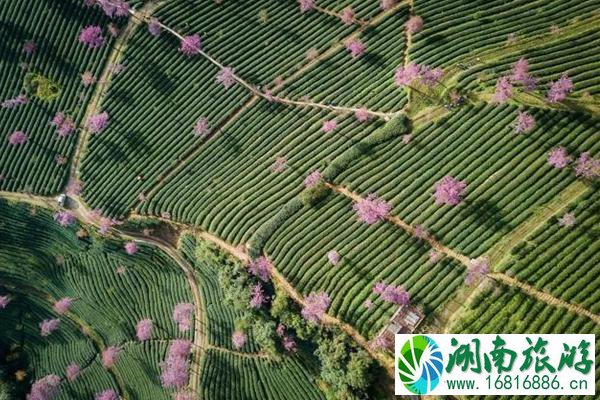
414	24
46	388
18	138
226	77
97	123
48	326
182	315
131	248
392	294
315	306
411	73
355	47
154	27
29	47
62	306
362	115
109	394
567	220
524	122
333	257
202	127
347	16
72	371
449	190
587	167
312	179
143	329
15	102
190	45
559	158
64	218
261	268
4	301
559	89
238	339
387	4
279	165
91	36
110	356
329	126
382	343
477	269
64	124
306	5
372	209
257	296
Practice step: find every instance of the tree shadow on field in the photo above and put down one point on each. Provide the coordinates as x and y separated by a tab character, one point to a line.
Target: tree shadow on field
230	143
434	40
485	213
376	60
367	276
129	146
159	80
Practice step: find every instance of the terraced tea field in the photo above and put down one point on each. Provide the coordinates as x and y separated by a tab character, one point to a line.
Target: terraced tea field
253	188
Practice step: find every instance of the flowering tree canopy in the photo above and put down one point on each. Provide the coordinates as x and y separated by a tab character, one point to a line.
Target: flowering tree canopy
14	102
202	127
559	89
72	371
382	342
362	115
184	396
143	329
46	388
154	27
182	315
559	158
420	231
226	77
29	47
279	165
131	248
414	24
347	16
64	124
18	138
289	344
257	297
392	294
87	79
315	306
387	4
109	394
329	126
114	8
355	47
97	123
261	268
190	45
238	339
477	269
524	122
504	90
175	367
306	5
91	36
312	179
333	257
62	305
4	301
434	256
567	220
407	74
372	209
110	356
64	218
48	326
587	167
520	70
449	191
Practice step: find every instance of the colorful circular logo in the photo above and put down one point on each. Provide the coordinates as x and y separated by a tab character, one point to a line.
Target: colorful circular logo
420	364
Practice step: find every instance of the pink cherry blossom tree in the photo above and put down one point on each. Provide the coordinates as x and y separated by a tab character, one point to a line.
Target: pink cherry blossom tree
238	339
62	306
91	36
261	268
504	90
347	16
257	296
87	79
587	167
387	4
279	165
182	315
315	305
355	47
477	269
312	179
46	388
29	47
109	394
64	218
333	257
18	138
524	122
362	115
567	220
48	326
449	190
97	123
143	329
131	248
14	102
289	344
154	27
306	5
64	124
559	89
226	77
559	158
392	294
329	126
110	356
372	209
414	24
72	371
202	127
190	45
4	301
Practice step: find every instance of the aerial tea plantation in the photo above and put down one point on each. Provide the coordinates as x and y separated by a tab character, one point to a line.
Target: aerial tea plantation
230	199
